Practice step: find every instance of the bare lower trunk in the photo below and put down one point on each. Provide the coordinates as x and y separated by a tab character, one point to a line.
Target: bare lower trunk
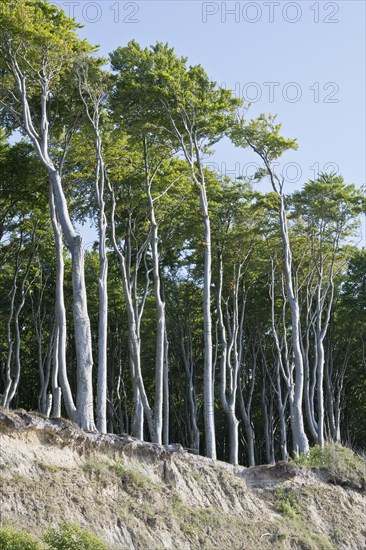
282	419
83	342
13	378
249	432
166	391
228	394
160	309
320	393
56	390
309	409
208	389
245	413
103	299
188	365
84	359
301	442
46	363
60	314
137	421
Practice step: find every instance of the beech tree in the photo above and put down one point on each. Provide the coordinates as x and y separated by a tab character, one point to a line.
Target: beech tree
263	136
38	45
194	112
212	309
328	210
94	85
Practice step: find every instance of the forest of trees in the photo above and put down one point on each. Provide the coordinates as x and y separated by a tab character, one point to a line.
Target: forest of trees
206	312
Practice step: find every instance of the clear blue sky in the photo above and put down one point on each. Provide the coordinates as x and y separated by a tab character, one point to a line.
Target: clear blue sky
304	61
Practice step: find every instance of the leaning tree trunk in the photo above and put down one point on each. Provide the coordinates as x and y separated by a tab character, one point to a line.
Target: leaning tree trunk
83	341
39	134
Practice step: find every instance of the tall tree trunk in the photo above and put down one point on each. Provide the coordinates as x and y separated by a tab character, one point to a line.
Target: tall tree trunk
60	314
166	391
229	401
186	348
83	341
56	390
208	375
102	288
41	141
160	308
301	442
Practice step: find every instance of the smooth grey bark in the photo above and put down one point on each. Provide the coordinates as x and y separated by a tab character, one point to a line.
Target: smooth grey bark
93	97
321	330
134	320
267	412
166	391
301	442
186	347
44	358
9	336
229	364
56	390
83	343
103	292
309	380
13	366
208	387
245	412
245	406
334	379
160	305
192	155
280	369
40	138
44	399
59	366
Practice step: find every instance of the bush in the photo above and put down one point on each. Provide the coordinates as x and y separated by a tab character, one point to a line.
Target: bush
336	458
10	539
286	502
68	536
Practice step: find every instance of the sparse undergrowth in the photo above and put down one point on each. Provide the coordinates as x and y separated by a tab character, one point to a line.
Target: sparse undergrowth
104	468
337	459
134	498
286	502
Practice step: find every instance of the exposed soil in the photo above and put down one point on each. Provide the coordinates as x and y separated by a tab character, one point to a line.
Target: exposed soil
136	495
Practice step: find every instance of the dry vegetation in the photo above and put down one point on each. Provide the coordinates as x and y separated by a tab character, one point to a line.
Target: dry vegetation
137	495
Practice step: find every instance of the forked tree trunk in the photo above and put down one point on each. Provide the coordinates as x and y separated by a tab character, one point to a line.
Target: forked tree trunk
83	341
228	394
